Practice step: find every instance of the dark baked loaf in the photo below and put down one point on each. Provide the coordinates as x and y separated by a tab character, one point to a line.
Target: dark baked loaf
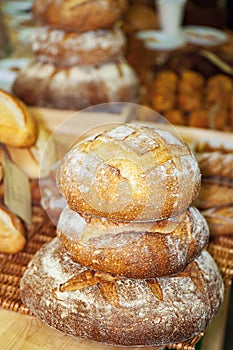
131	172
115	310
131	249
45	85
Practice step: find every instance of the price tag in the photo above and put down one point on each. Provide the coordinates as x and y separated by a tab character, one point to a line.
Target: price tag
17	194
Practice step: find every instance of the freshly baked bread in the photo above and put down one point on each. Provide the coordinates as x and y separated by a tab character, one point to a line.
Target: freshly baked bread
214	193
220	220
131	172
1	167
117	310
29	159
216	164
43	84
12	232
140	17
78	15
134	250
64	48
17	126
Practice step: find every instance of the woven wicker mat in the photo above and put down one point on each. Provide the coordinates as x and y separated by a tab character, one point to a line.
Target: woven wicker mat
13	266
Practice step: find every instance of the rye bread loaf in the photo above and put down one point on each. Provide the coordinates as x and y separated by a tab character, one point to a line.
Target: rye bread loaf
116	310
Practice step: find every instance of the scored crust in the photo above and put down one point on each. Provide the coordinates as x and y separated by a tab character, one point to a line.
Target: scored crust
135	250
64	48
117	310
132	172
79	15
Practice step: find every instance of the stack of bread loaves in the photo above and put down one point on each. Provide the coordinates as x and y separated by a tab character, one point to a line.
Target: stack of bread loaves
128	266
79	60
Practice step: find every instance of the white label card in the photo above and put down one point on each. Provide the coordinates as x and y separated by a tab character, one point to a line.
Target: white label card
17	193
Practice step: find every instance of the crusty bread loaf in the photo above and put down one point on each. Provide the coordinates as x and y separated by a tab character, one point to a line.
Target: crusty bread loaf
12	232
134	250
64	48
45	85
214	193
116	310
140	17
17	126
131	172
29	159
216	164
78	15
1	167
220	220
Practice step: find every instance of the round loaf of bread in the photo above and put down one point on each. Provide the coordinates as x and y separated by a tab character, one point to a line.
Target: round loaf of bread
117	310
45	85
78	15
131	172
64	48
134	250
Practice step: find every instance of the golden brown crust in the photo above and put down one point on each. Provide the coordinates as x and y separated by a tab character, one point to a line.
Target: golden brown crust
220	220
64	48
134	250
1	167
132	172
17	126
45	85
79	15
29	159
121	311
12	232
